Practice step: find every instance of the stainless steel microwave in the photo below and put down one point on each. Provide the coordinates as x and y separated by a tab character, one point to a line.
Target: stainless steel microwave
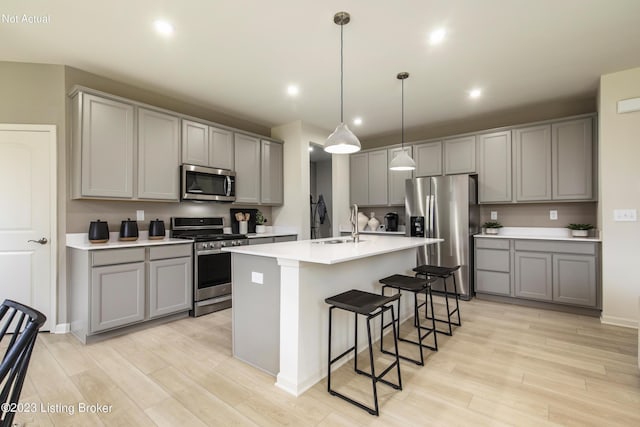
207	184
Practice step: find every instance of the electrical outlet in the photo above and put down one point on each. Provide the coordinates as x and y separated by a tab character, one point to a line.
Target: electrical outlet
553	214
140	215
494	215
625	215
257	278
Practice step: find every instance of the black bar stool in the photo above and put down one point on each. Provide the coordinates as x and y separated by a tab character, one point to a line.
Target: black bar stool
438	272
415	285
371	306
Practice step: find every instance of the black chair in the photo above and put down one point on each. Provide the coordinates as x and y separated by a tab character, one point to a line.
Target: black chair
438	272
416	286
369	305
22	323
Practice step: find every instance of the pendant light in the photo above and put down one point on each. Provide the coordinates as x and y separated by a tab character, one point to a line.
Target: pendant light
402	162
342	140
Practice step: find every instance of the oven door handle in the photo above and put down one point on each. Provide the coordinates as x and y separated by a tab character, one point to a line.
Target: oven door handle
209	252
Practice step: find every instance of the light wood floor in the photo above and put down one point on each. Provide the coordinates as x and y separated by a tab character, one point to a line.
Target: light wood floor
506	365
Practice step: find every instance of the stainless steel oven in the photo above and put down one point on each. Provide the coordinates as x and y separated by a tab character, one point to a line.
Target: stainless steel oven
212	281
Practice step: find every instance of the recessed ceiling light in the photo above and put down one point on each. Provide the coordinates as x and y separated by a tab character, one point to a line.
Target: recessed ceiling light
475	93
310	148
357	121
437	36
293	90
163	27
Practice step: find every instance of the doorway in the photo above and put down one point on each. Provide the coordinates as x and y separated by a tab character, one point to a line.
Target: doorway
320	200
28	217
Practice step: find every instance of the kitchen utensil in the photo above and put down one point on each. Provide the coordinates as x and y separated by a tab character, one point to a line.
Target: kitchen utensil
128	230
156	230
98	232
237	215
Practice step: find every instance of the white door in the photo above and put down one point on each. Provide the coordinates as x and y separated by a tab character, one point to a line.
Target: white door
27	216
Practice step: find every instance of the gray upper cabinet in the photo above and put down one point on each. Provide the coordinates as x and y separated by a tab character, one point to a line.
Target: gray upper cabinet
247	166
460	155
220	148
158	155
359	178
272	183
572	157
494	167
103	139
428	158
532	163
378	170
195	143
397	178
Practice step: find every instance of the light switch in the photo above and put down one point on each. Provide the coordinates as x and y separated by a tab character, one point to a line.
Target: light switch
625	215
553	214
140	215
494	215
257	278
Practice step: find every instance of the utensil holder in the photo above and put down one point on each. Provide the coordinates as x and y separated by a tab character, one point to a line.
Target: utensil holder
243	226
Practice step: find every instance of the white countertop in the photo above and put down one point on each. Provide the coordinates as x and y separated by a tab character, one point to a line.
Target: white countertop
538	233
311	251
81	241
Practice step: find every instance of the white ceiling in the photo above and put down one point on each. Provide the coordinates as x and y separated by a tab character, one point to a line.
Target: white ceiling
238	57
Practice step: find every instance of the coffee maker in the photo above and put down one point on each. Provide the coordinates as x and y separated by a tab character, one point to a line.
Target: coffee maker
391	221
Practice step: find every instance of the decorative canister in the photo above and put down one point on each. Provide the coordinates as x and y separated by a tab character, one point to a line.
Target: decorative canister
98	232
156	230
128	230
373	222
363	220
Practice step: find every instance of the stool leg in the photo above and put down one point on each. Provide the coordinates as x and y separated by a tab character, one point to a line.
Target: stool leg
355	343
417	325
395	342
329	352
455	289
433	318
374	380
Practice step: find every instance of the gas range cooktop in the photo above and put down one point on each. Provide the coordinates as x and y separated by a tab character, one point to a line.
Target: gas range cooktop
201	229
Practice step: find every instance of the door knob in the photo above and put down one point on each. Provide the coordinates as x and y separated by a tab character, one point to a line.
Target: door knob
42	241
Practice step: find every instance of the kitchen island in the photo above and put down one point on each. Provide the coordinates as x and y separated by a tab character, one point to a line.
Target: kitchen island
280	319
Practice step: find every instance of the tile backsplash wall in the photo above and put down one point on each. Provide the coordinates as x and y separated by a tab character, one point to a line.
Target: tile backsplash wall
537	214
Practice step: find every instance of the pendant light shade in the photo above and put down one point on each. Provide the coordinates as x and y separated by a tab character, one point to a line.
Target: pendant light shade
342	140
402	161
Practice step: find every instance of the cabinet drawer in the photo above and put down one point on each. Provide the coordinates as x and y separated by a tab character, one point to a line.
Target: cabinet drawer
117	256
585	248
492	243
493	283
492	259
169	251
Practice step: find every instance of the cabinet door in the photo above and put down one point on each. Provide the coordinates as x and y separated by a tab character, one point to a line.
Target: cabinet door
572	148
359	178
195	143
220	148
574	279
378	171
428	159
532	148
460	155
107	148
170	286
272	173
247	162
158	155
493	282
494	167
533	275
117	295
397	178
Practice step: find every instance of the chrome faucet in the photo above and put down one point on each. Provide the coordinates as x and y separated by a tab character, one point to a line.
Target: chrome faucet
354	223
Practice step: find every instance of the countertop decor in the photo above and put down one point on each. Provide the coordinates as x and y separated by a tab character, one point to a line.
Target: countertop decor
81	241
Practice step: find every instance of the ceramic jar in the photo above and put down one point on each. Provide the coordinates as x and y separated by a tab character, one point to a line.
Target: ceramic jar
363	220
373	222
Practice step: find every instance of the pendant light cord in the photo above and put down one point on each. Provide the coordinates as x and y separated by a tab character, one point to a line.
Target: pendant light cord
402	109
341	74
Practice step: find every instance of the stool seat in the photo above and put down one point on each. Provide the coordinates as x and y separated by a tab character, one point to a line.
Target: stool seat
436	270
406	283
360	302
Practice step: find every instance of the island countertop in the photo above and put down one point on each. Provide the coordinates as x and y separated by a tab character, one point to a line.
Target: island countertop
320	252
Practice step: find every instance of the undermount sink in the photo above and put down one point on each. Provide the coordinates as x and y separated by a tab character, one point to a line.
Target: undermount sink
334	241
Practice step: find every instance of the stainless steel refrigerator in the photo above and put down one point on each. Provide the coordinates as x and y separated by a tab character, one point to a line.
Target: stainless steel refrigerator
445	207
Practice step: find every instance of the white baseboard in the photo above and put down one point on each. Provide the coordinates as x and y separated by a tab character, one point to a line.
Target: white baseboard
62	328
619	321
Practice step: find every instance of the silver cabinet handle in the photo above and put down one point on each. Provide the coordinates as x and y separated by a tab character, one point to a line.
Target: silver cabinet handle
42	241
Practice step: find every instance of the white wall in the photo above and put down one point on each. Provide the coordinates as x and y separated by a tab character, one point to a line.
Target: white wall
619	157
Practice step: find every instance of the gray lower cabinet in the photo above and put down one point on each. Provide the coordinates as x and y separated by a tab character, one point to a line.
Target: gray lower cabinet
533	277
117	296
275	239
574	278
114	288
493	266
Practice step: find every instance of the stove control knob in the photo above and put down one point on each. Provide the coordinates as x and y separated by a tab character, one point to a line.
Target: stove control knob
223	244
205	245
234	243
